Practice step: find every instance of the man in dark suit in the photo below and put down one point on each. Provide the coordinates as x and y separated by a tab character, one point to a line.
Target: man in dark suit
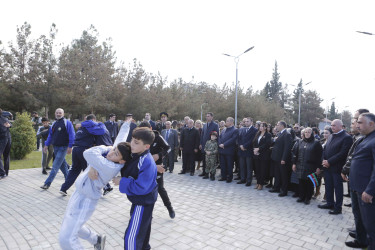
227	146
171	137
112	126
131	127
163	119
148	119
334	158
246	136
206	135
362	174
280	154
189	144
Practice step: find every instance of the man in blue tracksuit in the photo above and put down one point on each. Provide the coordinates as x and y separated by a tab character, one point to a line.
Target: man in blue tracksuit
61	136
138	182
84	139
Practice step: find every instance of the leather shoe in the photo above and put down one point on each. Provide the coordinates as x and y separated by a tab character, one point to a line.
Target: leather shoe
353	235
202	174
307	202
241	182
299	200
182	172
355	244
335	212
295	195
283	194
248	184
229	181
222	179
325	206
237	178
274	191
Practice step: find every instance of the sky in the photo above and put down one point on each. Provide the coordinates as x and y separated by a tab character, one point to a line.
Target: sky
315	41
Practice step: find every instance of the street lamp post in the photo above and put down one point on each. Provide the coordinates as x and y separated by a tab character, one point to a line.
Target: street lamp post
202	111
327	108
299	100
236	60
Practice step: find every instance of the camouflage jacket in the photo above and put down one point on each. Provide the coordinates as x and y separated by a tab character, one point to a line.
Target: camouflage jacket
212	147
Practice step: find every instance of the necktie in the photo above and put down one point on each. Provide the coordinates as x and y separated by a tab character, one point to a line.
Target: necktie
167	135
247	130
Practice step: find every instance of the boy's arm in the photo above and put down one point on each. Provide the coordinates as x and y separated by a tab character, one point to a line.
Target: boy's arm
94	158
143	184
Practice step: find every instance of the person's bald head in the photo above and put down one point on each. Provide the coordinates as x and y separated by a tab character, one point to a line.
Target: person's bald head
336	125
59	113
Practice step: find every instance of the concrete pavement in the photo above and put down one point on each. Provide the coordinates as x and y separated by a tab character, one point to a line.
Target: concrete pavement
209	215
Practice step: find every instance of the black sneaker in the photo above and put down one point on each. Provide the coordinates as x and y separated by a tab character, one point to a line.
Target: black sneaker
172	214
107	190
45	187
48	168
64	193
100	244
44	172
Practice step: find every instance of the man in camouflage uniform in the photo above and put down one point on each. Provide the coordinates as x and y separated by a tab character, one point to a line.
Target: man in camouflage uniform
211	150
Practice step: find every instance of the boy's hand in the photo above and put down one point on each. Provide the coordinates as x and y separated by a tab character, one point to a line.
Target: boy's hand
93	174
160	168
116	180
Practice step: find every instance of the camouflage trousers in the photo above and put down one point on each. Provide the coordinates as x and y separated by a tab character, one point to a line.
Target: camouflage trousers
211	164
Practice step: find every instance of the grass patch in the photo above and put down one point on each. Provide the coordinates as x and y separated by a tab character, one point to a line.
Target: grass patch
33	160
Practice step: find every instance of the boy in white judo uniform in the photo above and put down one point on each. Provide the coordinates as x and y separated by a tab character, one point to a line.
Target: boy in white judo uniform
107	161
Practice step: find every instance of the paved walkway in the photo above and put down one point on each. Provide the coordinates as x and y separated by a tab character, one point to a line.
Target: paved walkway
209	215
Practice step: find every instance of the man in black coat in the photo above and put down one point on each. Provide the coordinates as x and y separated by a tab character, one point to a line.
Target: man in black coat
112	127
5	143
334	157
281	153
189	145
362	174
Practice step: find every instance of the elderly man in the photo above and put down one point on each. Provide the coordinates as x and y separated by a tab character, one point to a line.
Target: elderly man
334	158
189	145
171	137
61	136
362	174
227	146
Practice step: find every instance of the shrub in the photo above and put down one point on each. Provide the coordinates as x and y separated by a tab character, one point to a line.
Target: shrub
23	136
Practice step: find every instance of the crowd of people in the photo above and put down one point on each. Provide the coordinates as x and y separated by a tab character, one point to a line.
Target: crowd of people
280	157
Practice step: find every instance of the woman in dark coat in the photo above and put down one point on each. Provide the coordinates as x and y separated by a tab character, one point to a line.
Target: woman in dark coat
262	154
307	155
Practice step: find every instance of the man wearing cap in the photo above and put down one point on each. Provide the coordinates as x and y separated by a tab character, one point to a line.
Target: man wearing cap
161	125
131	128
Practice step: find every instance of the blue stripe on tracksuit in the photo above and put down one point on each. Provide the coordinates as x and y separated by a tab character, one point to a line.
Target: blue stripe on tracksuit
139	228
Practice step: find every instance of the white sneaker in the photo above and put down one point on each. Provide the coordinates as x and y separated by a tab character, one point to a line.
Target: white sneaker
100	244
64	193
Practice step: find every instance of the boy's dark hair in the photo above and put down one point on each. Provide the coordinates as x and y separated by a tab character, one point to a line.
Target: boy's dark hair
283	123
91	117
144	124
111	115
125	150
44	119
146	135
210	113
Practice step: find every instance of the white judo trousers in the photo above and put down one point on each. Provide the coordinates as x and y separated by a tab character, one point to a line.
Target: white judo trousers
78	212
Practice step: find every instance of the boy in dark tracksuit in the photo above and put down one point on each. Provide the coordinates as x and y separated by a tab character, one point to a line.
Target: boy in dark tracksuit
43	133
138	181
160	148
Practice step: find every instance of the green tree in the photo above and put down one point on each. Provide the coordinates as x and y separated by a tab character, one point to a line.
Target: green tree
23	136
332	114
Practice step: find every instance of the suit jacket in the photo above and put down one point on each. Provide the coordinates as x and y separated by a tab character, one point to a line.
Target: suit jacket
264	146
362	168
131	128
189	139
172	138
336	151
206	133
246	140
282	147
153	125
228	137
112	128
